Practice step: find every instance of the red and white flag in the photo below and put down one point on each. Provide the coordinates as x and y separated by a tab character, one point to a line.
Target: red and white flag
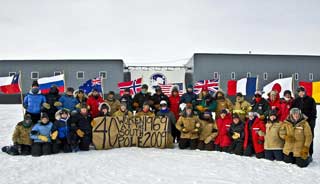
167	88
134	86
10	85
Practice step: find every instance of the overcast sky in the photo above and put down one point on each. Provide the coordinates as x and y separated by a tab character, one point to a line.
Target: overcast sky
162	31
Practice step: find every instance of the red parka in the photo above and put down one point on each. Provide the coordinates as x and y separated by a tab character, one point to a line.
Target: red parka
94	105
223	140
174	105
257	140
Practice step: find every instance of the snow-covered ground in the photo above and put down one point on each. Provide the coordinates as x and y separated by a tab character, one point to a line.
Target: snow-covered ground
136	165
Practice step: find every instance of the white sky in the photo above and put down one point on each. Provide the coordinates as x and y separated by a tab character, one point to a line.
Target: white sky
153	32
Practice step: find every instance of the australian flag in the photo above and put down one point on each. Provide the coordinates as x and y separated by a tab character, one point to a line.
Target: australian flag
91	84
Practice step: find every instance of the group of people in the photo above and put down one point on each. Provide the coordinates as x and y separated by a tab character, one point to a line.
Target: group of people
275	128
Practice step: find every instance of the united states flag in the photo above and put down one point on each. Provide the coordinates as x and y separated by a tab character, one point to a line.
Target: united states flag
211	85
167	88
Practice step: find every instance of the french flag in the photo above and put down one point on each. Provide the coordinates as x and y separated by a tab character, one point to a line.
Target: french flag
46	83
246	86
10	85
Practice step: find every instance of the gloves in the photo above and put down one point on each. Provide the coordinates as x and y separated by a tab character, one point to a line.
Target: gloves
196	130
57	104
46	105
304	153
200	108
135	104
235	135
43	138
184	130
198	125
260	133
207	140
54	135
78	106
80	133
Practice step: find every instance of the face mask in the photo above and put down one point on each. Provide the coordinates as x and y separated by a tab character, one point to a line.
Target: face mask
35	90
163	108
143	91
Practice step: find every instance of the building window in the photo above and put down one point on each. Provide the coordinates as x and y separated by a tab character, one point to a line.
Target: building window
296	76
215	75
280	75
57	73
12	73
248	74
34	75
103	74
233	75
80	75
310	76
265	76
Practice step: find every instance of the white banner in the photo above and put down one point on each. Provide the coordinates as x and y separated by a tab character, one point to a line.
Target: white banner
153	76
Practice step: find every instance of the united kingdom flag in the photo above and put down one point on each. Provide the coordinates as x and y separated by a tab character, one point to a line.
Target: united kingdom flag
134	86
211	85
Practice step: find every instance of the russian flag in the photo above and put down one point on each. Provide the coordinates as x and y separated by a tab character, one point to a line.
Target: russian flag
46	82
246	86
10	85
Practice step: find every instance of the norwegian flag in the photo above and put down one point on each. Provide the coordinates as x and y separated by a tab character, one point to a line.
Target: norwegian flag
211	85
134	86
167	88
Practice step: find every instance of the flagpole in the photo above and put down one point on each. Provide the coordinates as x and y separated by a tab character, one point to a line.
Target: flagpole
64	81
292	84
257	83
102	90
21	92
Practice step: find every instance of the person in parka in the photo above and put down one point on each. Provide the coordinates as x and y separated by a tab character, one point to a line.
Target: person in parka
236	133
112	102
123	111
241	107
189	98
222	103
68	101
205	101
93	102
157	97
164	111
50	106
273	143
21	138
41	135
223	141
127	98
61	134
145	111
297	137
260	105
208	132
285	105
141	98
81	130
189	125
254	131
81	98
33	102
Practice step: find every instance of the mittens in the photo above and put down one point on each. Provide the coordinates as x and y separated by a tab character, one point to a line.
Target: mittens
46	105
43	138
207	140
80	133
54	135
304	152
57	104
235	135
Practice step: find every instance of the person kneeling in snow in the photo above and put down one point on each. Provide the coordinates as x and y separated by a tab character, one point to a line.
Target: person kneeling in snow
189	125
208	133
254	132
273	144
236	132
61	132
21	138
41	136
298	137
81	130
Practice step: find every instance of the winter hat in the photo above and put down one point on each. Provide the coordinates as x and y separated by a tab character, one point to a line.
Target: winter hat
295	111
144	86
258	93
163	102
276	87
239	94
287	92
80	91
95	89
190	86
111	93
301	88
27	117
273	113
70	89
175	89
104	106
235	116
64	111
44	115
123	100
35	83
224	111
157	88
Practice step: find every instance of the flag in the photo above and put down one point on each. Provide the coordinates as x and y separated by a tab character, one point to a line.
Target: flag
91	84
246	86
45	83
283	84
134	86
167	88
212	85
10	85
312	89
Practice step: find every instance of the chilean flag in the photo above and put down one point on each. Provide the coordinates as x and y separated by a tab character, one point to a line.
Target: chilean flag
246	86
10	85
46	83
